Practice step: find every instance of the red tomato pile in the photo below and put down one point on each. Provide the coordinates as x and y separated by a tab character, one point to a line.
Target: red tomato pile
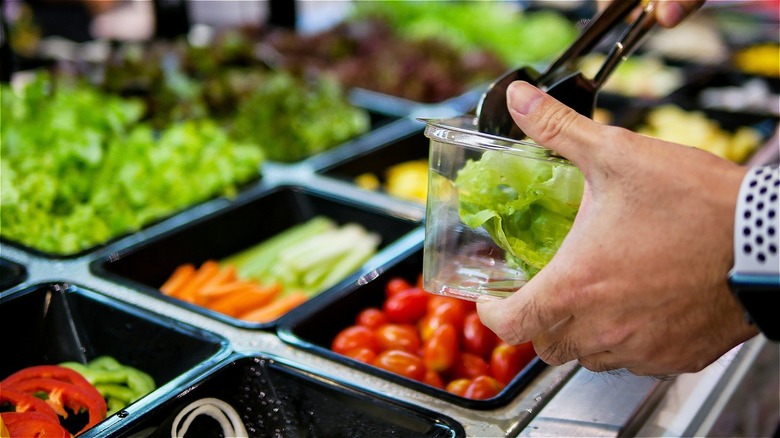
433	339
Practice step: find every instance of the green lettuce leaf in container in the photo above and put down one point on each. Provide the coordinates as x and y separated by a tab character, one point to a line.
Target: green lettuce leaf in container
526	205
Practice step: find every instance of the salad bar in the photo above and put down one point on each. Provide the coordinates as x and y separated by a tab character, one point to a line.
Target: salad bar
226	233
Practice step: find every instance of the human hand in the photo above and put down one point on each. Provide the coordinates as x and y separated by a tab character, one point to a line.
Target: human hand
668	13
640	282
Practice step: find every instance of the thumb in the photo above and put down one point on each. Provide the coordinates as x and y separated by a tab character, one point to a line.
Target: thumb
554	125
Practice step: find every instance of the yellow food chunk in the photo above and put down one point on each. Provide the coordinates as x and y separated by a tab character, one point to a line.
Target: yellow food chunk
367	181
408	180
762	59
693	128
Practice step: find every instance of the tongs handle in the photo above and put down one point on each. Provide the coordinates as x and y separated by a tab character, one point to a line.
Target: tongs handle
596	30
629	41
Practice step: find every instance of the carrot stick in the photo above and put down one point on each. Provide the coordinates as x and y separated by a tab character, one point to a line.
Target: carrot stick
226	275
181	275
275	309
207	270
211	293
246	299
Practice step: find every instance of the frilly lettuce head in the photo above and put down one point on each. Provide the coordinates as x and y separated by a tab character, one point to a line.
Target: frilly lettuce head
527	205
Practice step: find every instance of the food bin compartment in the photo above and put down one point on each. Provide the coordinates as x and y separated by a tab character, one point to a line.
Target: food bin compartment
11	274
58	322
224	233
717	131
371	168
274	397
314	329
731	91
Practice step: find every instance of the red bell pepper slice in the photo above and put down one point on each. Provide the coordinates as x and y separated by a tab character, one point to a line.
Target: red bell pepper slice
62	394
24	402
32	424
50	372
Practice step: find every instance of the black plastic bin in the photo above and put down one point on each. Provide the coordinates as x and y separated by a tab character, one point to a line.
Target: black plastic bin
275	397
58	322
11	274
147	265
314	329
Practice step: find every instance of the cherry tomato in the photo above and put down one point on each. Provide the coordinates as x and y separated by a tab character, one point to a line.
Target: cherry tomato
482	388
441	351
508	360
354	336
477	338
361	354
395	285
451	310
398	337
428	325
371	317
433	378
469	366
402	363
458	386
406	307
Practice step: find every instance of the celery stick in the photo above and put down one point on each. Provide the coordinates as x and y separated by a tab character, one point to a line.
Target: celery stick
303	249
341	242
358	254
255	261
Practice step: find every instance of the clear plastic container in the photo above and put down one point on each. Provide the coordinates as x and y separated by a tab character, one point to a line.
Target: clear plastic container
497	211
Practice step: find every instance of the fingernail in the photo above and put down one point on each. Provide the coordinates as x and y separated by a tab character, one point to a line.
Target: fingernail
522	97
671	14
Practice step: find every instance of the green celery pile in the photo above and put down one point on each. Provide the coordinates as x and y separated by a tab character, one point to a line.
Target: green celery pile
78	168
526	205
308	257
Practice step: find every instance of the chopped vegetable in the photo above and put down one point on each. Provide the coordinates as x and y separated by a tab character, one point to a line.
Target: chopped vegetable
226	415
526	205
762	59
292	119
275	309
78	168
30	424
517	37
60	394
694	128
119	384
308	257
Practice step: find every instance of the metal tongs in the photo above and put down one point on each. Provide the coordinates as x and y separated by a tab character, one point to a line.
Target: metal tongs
561	80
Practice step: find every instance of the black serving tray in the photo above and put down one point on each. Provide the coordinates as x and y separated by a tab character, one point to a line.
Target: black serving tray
148	264
692	93
275	397
314	329
58	322
11	274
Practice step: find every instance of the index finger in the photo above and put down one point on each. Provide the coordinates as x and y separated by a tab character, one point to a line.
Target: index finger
532	310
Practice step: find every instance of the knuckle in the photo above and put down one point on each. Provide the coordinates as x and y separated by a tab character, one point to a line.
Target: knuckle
553	121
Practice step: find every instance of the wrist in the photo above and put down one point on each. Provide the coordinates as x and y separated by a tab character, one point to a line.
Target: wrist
755	277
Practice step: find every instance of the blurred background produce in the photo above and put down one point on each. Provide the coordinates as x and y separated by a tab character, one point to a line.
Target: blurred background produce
120	115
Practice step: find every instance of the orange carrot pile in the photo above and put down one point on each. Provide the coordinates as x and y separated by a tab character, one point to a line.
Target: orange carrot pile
219	289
